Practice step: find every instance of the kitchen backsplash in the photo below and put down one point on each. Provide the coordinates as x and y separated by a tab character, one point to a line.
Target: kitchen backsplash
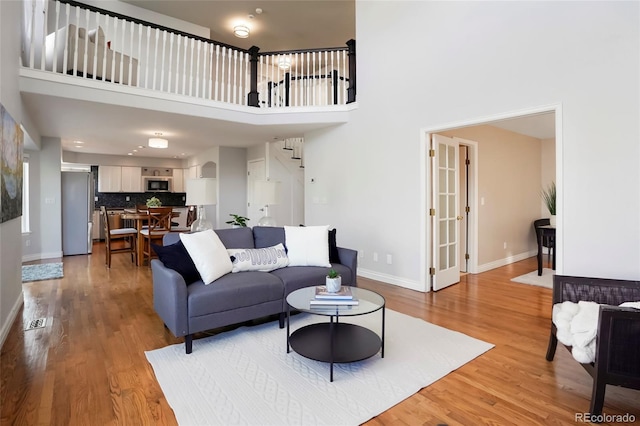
119	199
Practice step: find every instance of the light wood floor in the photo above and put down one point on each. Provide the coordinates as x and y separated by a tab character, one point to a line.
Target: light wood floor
87	366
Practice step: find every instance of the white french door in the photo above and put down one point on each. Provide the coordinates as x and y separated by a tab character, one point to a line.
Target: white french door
444	212
256	171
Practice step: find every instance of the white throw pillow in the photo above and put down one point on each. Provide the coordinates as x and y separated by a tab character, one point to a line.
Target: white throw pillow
307	245
263	259
208	254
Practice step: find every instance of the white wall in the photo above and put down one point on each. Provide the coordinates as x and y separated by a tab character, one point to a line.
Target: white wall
474	60
232	184
10	231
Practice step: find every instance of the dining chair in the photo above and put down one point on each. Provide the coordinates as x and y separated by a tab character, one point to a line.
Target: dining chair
548	241
122	240
184	221
159	224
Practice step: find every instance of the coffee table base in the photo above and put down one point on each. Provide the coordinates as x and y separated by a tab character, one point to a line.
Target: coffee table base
350	343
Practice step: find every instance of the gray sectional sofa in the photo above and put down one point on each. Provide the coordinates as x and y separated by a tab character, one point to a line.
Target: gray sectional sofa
188	307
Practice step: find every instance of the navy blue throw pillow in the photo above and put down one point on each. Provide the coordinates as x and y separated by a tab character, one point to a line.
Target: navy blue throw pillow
176	257
334	256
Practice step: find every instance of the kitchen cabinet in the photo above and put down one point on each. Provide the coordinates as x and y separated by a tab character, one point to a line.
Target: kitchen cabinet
179	180
132	179
119	179
109	179
97	225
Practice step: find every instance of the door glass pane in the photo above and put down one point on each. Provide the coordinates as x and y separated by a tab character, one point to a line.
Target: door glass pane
442	184
443	230
442	214
443	258
452	255
442	155
452	230
451	205
451	157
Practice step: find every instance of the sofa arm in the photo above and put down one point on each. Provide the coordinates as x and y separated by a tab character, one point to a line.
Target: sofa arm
170	298
349	258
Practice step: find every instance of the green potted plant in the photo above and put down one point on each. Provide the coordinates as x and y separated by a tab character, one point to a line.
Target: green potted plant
549	198
238	221
333	281
154	202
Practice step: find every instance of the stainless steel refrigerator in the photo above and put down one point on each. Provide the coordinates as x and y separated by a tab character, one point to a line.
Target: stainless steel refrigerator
77	212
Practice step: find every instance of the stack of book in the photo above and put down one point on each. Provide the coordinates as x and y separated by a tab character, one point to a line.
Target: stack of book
343	297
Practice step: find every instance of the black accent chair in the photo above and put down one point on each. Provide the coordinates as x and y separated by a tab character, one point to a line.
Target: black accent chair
548	241
618	338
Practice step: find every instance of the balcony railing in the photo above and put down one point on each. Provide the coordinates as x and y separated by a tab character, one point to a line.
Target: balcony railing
63	36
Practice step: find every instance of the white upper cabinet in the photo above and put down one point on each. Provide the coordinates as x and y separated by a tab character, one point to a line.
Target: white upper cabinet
109	179
178	180
132	179
119	179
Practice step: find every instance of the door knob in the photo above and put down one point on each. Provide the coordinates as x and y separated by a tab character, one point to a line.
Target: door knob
459	218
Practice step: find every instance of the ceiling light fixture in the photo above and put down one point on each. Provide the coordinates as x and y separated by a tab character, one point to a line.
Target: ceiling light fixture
241	31
158	142
284	63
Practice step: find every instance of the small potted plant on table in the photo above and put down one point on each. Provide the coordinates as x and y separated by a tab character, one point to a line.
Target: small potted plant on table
238	221
333	281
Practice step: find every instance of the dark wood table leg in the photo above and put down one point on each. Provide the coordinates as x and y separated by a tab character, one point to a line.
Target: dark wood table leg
331	330
288	319
541	239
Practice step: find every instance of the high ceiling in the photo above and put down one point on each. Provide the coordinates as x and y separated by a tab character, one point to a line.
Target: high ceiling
275	25
281	25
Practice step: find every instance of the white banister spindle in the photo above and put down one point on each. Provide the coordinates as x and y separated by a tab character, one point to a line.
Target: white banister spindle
164	59
170	71
114	43
96	72
44	36
261	88
334	100
235	71
122	41
131	30
229	59
179	43
210	73
155	58
65	58
217	77
85	52
272	78
75	48
184	66
32	36
222	73
138	69
246	85
191	61
55	38
198	48
308	88
146	62
105	48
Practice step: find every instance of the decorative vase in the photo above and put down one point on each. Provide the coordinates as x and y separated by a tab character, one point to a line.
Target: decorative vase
552	220
334	284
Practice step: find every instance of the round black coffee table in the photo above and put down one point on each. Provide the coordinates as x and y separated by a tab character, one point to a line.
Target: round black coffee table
335	341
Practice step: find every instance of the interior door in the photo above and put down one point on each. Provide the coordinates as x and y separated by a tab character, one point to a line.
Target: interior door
445	187
256	170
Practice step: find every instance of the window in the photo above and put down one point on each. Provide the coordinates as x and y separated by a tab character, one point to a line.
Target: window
25	195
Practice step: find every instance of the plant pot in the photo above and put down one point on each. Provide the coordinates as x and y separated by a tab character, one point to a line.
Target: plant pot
552	220
235	226
333	284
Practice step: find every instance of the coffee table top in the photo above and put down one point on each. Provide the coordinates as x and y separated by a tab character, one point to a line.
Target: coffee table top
368	301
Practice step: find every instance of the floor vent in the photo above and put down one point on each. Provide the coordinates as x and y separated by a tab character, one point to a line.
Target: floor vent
36	323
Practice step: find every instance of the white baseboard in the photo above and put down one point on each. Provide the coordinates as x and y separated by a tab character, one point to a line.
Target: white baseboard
390	279
41	256
506	261
6	327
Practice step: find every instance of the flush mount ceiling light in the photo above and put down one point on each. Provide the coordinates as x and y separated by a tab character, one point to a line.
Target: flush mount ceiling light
158	142
241	31
284	63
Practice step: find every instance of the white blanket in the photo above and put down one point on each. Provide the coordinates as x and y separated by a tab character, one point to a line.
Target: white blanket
577	326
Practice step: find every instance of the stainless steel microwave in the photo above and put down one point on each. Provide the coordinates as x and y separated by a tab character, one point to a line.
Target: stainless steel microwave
157	184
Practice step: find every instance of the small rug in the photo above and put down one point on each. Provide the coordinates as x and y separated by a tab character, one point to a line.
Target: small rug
544	280
42	271
246	376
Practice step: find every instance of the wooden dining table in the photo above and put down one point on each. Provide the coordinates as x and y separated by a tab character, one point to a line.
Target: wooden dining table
546	231
140	219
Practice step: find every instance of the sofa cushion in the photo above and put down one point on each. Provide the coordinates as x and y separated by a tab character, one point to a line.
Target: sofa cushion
175	256
233	291
268	236
208	254
295	277
308	245
236	238
263	259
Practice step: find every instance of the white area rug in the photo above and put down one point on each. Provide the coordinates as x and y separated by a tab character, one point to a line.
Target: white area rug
42	271
544	280
246	377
